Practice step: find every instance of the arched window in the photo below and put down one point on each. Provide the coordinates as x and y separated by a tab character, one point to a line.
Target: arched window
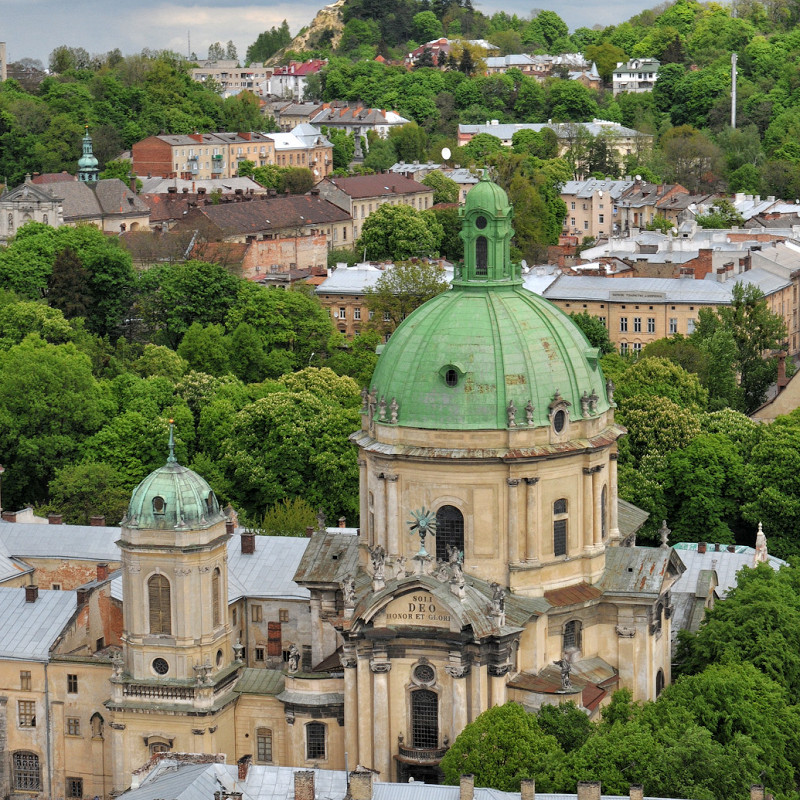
315	741
573	631
11	223
560	527
217	617
659	682
449	532
45	219
27	772
263	745
604	512
424	719
97	723
481	256
159	605
160	746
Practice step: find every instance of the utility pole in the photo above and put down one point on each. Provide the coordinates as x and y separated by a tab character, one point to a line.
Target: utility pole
733	90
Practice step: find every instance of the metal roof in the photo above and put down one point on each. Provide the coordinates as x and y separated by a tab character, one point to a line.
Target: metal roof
630	517
260	681
38	540
645	290
638	570
329	558
28	630
268	571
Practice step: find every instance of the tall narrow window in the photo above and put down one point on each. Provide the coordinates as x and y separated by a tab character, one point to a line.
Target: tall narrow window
425	719
215	597
449	532
27	773
315	741
604	512
560	527
481	256
263	745
659	682
572	636
159	605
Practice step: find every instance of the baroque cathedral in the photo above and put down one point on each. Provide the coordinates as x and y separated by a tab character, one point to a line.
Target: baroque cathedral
490	565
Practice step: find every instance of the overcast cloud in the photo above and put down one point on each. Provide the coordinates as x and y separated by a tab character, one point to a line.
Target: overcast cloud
33	28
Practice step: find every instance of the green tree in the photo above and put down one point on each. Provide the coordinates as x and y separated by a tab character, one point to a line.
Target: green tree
161	361
398	233
81	491
68	286
658	377
427	27
289	517
410	142
503	746
722	214
401	289
380	156
206	349
445	190
594	330
478	149
606	56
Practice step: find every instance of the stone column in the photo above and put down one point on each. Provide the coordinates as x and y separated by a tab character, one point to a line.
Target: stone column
513	524
119	778
458	673
392	515
597	489
5	778
365	720
587	509
381	760
612	497
351	722
497	679
532	519
378	536
363	506
478	690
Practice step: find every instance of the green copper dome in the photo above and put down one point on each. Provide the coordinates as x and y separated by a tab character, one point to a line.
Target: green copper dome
487	354
172	497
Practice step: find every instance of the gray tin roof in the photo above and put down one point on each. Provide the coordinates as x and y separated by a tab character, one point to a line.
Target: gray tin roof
28	630
268	572
41	540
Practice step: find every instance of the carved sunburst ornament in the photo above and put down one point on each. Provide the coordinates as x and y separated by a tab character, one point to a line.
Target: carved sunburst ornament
424	523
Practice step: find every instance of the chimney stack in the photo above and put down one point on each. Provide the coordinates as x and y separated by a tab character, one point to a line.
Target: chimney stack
9	516
361	783
55	519
731	548
342	522
229	526
527	789
97	521
304	784
701	547
31	593
588	790
102	572
244	766
636	791
248	542
83	596
309	531
757	791
466	787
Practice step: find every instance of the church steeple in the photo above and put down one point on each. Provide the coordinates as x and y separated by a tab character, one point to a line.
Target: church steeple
88	170
486	231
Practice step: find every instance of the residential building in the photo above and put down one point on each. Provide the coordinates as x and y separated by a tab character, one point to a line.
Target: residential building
463	177
200	155
230	78
359	196
290	81
444	45
589	77
306	147
289	115
592	207
358	120
635	76
497	65
272	217
625	141
643	201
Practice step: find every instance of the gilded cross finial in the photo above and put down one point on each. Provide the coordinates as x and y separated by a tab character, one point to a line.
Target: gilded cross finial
171	458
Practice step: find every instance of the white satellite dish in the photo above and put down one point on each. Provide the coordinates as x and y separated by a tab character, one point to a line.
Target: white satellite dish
446	153
600	194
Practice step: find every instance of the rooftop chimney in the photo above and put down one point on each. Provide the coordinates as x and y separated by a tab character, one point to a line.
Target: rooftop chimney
229	526
361	784
757	792
466	789
9	516
248	542
701	547
83	596
31	593
97	521
588	790
527	789
309	531
55	519
731	548
342	522
636	791
244	766
304	784
102	572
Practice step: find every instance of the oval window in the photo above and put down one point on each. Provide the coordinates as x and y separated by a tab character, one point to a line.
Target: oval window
158	505
160	666
219	658
480	222
423	673
451	377
559	420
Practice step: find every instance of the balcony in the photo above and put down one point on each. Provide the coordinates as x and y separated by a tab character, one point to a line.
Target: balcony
216	157
421	755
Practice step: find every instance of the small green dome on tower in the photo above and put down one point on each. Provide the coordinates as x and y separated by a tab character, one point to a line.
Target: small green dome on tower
88	166
172	497
488	352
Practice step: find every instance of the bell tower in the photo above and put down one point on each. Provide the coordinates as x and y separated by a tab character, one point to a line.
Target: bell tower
173	685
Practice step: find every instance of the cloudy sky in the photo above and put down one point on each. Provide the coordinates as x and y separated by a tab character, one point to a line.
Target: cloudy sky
32	28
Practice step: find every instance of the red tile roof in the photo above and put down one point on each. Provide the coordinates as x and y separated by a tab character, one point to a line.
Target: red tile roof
378	185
